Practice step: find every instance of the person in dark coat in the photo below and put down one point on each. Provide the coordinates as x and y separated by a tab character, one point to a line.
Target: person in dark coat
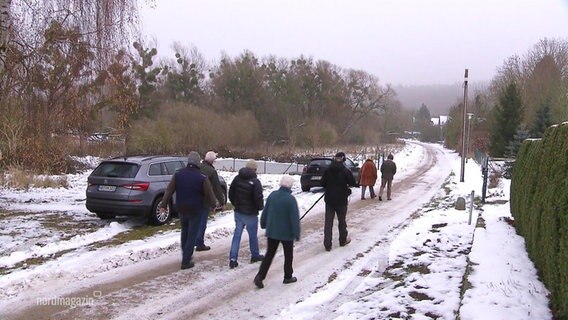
281	219
193	193
368	178
208	170
245	193
336	181
388	170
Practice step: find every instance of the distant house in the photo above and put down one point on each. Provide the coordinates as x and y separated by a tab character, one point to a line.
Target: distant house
439	120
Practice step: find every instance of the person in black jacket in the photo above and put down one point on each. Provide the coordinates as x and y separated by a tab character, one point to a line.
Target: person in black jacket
245	193
336	181
388	170
193	193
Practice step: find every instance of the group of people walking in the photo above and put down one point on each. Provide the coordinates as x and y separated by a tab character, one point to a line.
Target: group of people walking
198	191
369	177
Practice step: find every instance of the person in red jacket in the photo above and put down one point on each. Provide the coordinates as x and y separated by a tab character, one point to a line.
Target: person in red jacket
368	178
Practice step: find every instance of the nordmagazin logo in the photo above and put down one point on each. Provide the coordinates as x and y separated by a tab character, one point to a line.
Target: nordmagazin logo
69	301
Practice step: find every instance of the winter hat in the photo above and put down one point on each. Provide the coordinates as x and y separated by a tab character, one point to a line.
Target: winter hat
252	164
390	157
210	156
287	181
340	155
193	158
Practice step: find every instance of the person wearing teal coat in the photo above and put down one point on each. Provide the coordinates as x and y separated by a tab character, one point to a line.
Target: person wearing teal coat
281	219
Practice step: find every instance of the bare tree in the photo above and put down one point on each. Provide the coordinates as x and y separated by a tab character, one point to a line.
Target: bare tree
365	96
4	30
105	24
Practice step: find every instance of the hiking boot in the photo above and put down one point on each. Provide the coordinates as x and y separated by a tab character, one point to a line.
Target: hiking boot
202	248
347	241
257	258
188	265
380	198
258	282
290	280
233	264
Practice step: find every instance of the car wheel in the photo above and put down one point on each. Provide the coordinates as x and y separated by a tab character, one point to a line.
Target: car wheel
305	188
158	218
103	216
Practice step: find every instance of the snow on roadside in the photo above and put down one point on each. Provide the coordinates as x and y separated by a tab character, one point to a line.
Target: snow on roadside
75	242
429	263
503	279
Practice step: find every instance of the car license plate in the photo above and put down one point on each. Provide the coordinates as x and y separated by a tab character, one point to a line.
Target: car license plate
107	188
316	178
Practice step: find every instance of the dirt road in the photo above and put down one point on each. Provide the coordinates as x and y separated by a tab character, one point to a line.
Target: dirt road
158	289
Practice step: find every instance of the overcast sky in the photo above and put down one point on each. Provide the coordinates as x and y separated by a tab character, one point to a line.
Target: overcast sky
400	41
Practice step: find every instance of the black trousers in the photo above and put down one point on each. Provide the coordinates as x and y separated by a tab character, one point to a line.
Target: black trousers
330	212
271	247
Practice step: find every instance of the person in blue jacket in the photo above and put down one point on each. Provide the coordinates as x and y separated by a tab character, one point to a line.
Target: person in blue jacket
193	192
281	219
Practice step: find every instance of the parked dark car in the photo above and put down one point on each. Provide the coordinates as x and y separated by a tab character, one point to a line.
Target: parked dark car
313	171
134	186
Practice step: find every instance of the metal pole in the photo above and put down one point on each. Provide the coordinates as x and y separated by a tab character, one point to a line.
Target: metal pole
464	127
484	170
470	208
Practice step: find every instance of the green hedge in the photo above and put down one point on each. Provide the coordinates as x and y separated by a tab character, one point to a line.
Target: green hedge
539	204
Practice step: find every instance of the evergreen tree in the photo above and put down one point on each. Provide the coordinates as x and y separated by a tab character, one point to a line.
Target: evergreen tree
515	144
423	113
542	120
507	112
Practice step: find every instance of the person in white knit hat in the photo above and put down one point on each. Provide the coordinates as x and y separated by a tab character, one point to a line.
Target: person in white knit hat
208	170
281	219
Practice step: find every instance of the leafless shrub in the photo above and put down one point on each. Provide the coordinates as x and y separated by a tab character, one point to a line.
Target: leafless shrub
494	178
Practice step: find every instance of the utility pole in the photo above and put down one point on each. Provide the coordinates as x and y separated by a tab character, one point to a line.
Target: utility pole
464	127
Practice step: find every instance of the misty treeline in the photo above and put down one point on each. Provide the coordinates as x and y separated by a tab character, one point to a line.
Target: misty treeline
528	94
69	69
65	76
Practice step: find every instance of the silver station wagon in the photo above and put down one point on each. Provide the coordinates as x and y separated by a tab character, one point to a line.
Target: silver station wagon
134	186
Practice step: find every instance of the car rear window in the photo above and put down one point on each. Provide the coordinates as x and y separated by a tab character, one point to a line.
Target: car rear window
116	170
320	163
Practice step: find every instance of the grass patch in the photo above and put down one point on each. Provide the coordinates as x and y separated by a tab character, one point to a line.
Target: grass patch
138	233
480	222
18	178
419	296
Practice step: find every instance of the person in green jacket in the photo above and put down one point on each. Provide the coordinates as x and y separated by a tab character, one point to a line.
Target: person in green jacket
281	219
